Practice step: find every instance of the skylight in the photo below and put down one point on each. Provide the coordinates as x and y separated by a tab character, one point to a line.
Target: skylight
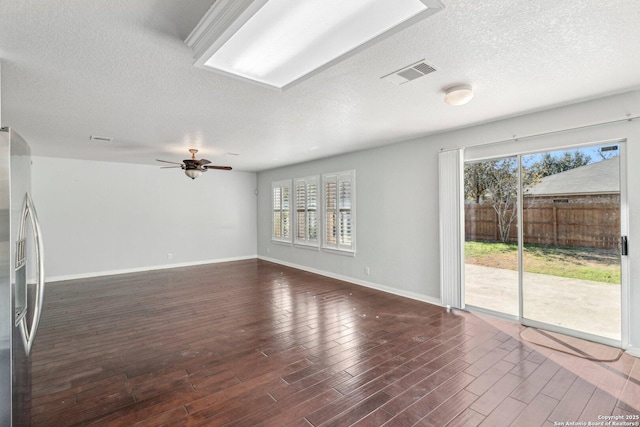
279	43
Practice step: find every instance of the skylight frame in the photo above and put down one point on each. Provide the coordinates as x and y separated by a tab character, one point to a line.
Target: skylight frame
226	17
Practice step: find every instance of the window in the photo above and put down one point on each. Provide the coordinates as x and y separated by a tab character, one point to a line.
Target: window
281	192
306	211
339	211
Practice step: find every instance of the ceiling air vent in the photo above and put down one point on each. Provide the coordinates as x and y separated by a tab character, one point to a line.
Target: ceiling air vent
409	73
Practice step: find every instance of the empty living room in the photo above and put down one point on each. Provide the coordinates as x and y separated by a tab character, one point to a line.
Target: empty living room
319	213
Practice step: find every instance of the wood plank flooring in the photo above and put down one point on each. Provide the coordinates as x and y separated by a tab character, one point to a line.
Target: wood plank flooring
254	343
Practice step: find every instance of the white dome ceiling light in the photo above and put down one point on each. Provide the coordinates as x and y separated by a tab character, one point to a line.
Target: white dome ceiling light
458	94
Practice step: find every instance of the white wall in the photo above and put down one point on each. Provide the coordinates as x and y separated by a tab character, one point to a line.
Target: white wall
394	236
397	196
101	218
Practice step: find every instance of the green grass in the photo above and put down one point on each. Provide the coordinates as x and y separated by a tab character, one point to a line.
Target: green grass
598	265
477	249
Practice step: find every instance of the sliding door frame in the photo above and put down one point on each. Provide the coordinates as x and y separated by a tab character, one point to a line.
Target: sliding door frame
563	140
555	328
485	310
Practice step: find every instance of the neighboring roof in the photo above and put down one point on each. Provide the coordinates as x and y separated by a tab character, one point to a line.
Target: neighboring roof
594	178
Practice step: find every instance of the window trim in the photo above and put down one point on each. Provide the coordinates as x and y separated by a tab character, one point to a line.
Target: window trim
339	248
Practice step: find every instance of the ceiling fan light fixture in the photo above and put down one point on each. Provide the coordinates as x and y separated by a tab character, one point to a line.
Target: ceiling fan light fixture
277	43
193	173
458	94
193	167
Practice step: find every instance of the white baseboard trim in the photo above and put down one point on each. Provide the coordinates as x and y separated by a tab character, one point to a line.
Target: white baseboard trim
141	269
364	283
633	351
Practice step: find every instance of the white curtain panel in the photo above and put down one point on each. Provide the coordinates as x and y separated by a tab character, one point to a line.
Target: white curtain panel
450	164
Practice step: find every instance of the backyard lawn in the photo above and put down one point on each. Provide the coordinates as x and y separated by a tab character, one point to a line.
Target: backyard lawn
598	265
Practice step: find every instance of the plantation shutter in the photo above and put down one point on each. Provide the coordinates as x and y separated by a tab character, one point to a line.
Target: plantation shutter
277	212
339	217
312	208
330	213
301	210
281	192
306	199
344	191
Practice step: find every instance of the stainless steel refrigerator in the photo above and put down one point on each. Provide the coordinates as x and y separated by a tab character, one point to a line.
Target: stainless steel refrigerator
21	279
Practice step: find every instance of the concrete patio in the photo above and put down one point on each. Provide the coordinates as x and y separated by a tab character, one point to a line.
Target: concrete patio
586	306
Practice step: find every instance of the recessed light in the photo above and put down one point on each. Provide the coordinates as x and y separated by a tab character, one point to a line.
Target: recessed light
278	43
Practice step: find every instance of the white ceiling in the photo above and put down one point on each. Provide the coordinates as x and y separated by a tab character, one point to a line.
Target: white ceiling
120	68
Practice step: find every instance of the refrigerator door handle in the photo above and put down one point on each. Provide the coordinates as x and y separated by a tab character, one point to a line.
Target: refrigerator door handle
29	213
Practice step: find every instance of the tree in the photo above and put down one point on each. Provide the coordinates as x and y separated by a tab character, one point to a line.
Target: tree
551	165
502	191
496	182
475	181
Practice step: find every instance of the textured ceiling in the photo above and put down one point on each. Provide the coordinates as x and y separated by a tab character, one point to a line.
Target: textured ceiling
120	68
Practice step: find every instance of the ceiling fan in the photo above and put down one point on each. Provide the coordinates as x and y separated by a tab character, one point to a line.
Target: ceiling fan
193	167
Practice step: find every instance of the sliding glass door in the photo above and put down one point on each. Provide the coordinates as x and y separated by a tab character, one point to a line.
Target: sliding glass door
542	239
571	235
491	235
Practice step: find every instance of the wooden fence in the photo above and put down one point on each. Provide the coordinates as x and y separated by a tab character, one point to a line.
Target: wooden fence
582	224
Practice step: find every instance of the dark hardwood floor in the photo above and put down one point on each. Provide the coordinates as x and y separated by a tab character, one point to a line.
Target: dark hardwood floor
254	343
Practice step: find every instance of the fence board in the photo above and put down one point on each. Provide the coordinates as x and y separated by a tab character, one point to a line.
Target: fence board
577	224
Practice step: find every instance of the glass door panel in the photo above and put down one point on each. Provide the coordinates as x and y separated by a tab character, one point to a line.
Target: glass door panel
570	233
491	235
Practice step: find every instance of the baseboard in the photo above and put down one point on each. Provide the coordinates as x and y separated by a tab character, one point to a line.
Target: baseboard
141	269
633	351
364	283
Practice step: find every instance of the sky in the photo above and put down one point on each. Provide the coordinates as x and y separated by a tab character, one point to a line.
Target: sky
592	151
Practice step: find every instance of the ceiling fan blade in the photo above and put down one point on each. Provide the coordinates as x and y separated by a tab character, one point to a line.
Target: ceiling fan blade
166	161
224	168
169	167
203	162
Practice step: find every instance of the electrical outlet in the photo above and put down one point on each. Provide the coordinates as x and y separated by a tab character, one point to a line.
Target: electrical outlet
367	271
169	256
